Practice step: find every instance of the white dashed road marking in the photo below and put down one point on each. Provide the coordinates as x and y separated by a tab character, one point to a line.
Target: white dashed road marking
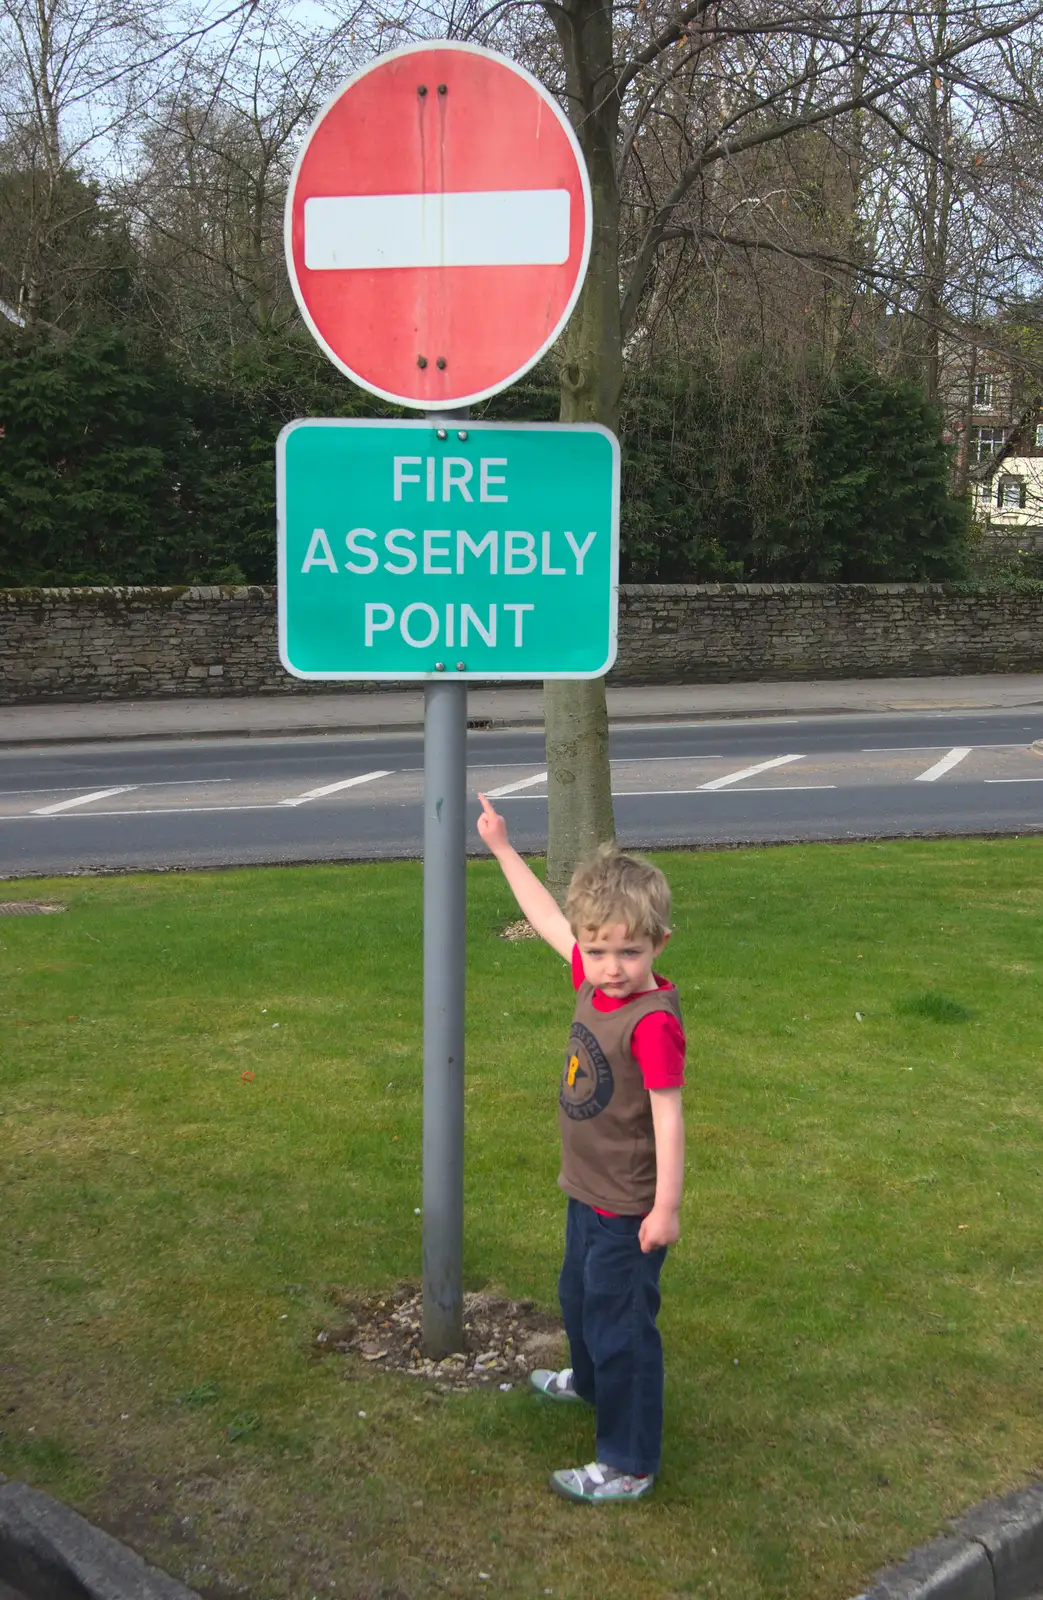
82	800
754	788
512	788
148	811
748	772
55	788
945	765
673	794
334	788
74	803
897	749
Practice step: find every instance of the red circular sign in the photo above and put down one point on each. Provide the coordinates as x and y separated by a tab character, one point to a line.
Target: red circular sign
438	225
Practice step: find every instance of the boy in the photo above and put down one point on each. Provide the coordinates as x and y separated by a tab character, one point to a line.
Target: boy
622	1136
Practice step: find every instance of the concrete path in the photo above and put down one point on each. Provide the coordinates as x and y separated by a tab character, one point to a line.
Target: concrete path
385	711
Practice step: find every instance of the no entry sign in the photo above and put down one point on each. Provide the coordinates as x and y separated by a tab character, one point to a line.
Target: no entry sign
438	225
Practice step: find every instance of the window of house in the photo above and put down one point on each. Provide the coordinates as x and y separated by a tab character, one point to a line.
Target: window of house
1010	495
983	393
1039	435
984	441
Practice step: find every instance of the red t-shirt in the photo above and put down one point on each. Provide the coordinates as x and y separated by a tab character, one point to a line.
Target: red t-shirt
658	1039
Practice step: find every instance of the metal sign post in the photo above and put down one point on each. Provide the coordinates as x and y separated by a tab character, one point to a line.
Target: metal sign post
438	229
445	782
445	944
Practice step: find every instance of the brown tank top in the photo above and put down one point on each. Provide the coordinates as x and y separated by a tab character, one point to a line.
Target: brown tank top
604	1110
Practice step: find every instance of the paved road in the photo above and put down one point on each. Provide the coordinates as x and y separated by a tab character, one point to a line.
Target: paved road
236	802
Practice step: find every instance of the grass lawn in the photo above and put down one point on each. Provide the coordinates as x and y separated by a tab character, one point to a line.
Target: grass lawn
852	1318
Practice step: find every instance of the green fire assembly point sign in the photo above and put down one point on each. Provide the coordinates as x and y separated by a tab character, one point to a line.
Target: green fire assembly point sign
481	550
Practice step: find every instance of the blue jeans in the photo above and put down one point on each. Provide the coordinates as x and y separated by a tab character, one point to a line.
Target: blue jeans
609	1293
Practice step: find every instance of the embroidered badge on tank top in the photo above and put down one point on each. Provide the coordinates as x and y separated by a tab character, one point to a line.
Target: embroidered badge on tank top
587	1083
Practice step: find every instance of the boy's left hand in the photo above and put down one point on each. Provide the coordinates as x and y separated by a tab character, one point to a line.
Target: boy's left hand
659	1229
492	826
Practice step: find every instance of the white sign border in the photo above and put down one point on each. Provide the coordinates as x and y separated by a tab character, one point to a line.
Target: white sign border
454	402
449	676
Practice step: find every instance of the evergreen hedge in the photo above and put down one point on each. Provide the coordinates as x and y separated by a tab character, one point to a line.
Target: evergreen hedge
117	466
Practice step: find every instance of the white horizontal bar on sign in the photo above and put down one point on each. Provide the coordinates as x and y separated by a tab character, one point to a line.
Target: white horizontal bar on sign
498	228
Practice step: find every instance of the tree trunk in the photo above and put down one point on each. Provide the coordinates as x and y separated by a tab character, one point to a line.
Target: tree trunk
579	783
937	206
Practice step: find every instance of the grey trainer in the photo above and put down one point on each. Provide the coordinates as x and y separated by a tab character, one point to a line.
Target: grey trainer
554	1385
596	1484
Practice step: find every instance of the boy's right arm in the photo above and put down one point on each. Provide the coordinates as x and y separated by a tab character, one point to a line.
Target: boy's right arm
536	902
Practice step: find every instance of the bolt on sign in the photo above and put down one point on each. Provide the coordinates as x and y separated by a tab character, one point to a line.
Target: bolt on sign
438	225
408	549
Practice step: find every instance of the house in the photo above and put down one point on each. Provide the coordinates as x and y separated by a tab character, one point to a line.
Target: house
1000	460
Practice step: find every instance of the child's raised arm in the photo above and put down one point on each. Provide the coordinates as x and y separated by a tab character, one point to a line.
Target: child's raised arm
537	903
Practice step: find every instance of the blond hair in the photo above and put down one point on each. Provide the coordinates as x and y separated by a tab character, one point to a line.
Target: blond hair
615	887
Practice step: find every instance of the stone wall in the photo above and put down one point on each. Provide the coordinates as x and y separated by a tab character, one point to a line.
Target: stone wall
713	633
87	644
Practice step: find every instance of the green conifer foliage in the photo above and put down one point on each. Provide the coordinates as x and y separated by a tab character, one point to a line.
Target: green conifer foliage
94	431
118	466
